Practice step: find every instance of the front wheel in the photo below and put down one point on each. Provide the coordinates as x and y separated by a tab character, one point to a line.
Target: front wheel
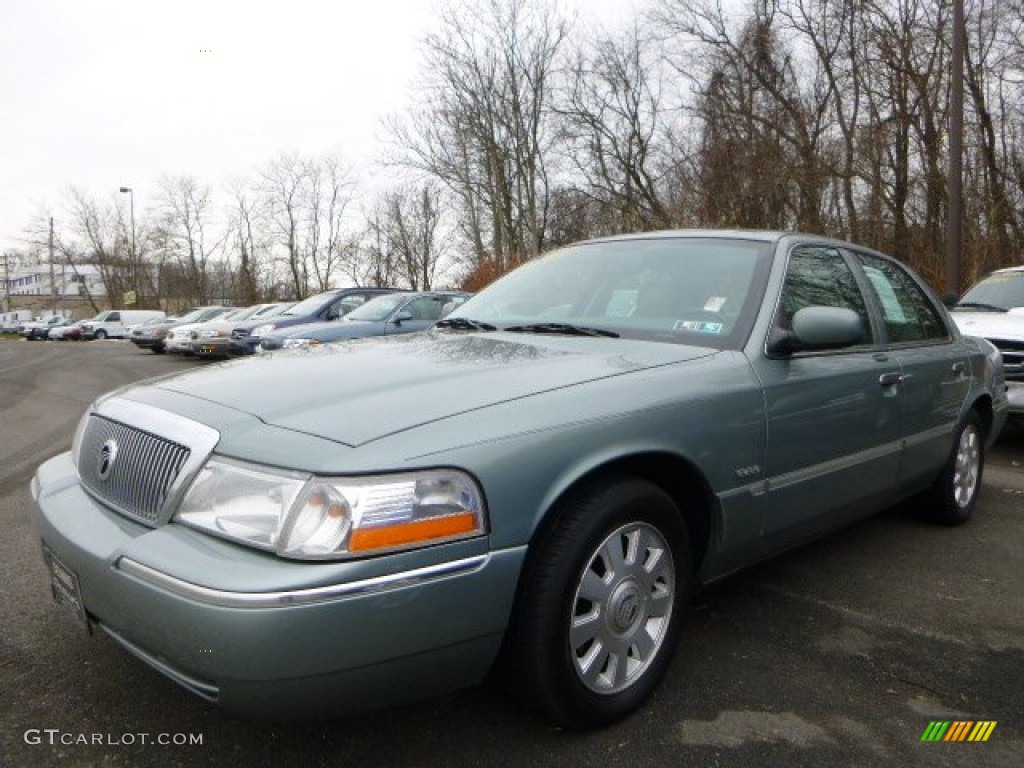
600	609
952	496
101	334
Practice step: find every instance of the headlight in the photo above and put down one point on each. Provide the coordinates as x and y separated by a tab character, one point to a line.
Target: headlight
293	343
262	330
323	518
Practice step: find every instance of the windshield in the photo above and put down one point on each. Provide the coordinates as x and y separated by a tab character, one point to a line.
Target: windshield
271	310
378	309
194	316
1002	289
309	306
683	290
239	314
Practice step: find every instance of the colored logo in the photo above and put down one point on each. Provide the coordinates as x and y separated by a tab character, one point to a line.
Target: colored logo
958	730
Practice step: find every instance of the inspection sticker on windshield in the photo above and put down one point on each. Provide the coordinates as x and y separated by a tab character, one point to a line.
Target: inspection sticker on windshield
714	304
698	326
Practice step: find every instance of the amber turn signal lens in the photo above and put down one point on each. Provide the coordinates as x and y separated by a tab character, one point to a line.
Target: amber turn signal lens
411	533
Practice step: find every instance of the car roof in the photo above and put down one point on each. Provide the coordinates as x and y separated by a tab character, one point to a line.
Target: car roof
736	234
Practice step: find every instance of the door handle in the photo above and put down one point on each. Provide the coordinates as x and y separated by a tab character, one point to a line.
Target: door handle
960	369
890	379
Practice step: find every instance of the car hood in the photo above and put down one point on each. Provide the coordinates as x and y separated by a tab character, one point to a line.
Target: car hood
992	325
334	330
357	392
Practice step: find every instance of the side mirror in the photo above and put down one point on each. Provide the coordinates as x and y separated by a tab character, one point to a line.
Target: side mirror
818	328
950	299
401	317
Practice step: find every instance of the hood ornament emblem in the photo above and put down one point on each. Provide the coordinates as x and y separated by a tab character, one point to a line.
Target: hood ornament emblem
108	455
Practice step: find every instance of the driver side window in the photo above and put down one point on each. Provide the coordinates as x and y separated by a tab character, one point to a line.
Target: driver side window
819	277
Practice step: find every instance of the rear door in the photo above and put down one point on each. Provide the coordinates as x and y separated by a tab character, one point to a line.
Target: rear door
934	367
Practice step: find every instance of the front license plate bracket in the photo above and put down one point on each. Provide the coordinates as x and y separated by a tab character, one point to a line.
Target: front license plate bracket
65	588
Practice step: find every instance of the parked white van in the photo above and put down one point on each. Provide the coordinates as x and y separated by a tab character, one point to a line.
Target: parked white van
117	323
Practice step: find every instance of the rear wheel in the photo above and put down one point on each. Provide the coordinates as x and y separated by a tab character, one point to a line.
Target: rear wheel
952	497
600	608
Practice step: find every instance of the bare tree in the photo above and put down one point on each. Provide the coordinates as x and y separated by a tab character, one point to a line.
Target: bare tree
616	130
407	223
483	128
282	183
249	241
186	211
97	235
307	201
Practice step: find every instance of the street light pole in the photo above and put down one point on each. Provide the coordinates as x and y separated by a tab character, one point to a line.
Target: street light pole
135	256
954	223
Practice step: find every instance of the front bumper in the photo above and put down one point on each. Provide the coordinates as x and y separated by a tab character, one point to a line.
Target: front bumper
1015	397
178	346
211	347
245	345
276	638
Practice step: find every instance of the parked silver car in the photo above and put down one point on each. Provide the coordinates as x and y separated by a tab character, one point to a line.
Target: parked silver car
539	483
994	309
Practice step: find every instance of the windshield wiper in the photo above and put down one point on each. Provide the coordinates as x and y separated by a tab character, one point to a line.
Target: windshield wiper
464	324
563	328
980	305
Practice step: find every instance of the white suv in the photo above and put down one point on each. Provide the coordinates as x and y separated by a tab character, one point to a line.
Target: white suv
994	309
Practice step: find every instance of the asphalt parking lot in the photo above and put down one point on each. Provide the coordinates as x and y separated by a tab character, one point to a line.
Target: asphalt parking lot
840	653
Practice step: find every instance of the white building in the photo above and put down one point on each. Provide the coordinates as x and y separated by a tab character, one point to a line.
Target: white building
67	281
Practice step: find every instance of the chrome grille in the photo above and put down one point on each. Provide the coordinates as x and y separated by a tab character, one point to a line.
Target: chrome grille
141	474
1013	357
240	333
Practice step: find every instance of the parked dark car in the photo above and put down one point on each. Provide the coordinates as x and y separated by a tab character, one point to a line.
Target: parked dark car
151	335
540	481
329	305
386	315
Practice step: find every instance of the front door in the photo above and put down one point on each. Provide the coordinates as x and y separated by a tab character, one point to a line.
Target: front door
832	417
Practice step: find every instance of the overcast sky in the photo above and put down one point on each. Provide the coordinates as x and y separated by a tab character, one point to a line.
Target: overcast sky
108	93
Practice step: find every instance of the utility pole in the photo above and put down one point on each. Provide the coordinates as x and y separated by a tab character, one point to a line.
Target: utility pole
53	279
135	254
954	178
7	282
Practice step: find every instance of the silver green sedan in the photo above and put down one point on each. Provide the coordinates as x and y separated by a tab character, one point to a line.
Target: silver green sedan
537	483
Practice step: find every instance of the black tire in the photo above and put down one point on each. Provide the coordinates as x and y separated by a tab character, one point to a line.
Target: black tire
633	612
158	349
101	334
952	497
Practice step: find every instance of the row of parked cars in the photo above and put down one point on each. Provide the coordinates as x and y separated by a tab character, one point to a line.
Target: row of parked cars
111	324
344	313
219	332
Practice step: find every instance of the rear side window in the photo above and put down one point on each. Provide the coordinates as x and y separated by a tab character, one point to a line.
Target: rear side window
907	312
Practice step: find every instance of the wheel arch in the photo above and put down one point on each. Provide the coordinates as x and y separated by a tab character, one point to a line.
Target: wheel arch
983	405
679	478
